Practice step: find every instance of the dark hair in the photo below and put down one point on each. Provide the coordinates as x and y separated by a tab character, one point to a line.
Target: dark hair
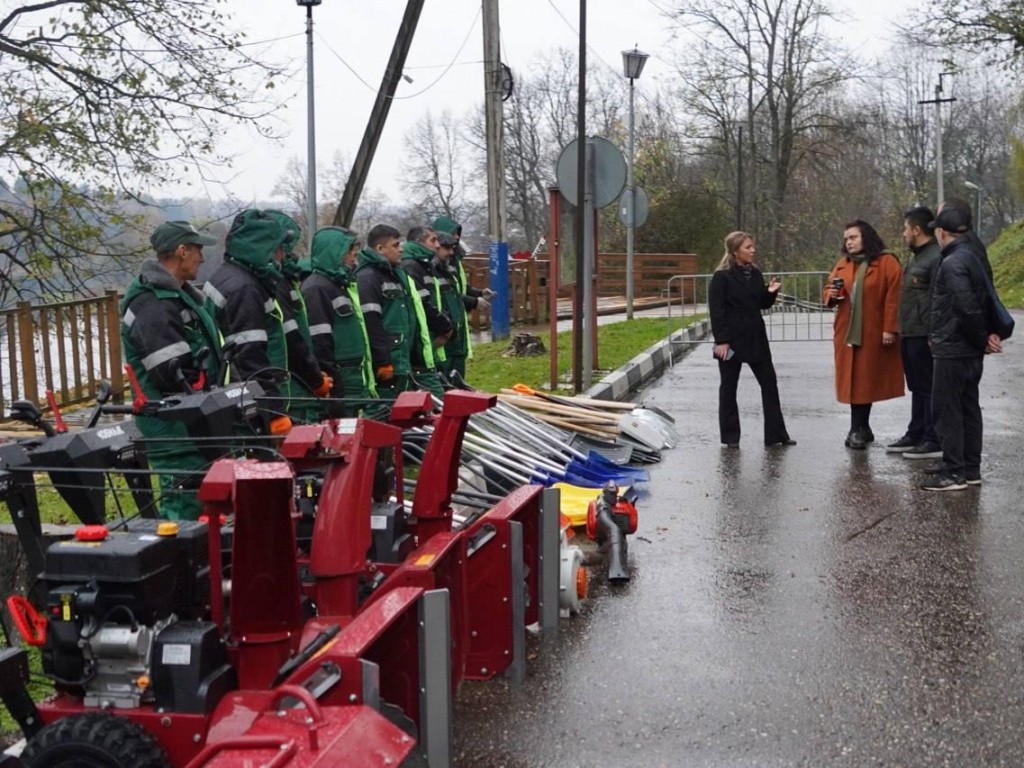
920	216
380	233
418	234
870	239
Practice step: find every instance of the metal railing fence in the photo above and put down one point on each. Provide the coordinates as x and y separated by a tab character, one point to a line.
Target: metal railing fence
797	315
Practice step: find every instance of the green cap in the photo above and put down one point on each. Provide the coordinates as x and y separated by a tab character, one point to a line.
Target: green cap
171	234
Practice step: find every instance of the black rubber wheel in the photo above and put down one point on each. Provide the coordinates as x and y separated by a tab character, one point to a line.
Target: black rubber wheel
94	740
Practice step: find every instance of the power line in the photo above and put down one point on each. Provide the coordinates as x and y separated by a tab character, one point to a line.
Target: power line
596	53
447	67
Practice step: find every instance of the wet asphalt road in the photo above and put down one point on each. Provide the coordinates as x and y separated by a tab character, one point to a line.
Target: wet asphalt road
802	606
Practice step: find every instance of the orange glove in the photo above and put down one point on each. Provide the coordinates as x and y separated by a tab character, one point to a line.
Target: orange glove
386	372
325	387
280	426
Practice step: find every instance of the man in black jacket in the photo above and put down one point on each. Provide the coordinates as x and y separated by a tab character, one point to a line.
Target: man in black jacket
959	339
920	440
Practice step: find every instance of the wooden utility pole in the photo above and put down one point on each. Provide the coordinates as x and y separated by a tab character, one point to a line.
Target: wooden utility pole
378	116
497	222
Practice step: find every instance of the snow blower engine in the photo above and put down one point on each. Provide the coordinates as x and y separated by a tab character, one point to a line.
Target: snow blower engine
122	621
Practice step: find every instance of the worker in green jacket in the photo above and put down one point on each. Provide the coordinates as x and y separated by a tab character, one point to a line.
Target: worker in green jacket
418	253
172	343
395	322
302	405
449	299
245	295
337	327
472	298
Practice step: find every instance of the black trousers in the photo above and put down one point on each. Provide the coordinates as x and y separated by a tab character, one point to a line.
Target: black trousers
917	367
729	412
957	412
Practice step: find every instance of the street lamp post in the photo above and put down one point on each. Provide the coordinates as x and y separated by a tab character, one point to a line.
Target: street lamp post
311	215
977	206
633	64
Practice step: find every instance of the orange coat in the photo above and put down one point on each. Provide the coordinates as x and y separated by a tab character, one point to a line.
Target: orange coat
872	371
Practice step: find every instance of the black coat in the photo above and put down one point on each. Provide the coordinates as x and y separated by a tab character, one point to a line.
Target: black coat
735	301
958	322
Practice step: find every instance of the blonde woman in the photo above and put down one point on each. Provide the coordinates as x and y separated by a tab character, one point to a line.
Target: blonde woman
736	296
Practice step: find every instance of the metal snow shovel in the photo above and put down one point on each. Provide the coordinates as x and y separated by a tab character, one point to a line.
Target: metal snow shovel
643	432
658	423
617	452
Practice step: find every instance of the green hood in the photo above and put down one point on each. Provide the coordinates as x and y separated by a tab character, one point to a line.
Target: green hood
416	252
330	244
448	226
291	226
252	240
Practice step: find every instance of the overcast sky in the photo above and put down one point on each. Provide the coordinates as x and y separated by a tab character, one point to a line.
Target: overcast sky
353	39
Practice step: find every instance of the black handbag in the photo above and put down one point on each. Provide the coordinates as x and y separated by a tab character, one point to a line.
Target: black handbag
999	320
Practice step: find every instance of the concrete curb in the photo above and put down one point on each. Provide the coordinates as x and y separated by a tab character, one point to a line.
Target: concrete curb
647	366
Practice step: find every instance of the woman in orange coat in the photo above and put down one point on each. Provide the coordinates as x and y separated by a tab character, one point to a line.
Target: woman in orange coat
864	287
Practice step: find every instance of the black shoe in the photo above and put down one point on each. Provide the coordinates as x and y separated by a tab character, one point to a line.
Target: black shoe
905	443
857	440
924	451
787	441
973	480
869	436
944	482
730	445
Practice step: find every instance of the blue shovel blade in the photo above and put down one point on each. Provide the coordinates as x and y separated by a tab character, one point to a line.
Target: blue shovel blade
618	474
600	463
584	482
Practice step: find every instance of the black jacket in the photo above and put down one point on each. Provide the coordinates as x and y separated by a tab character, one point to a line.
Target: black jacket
958	322
916	297
254	312
735	301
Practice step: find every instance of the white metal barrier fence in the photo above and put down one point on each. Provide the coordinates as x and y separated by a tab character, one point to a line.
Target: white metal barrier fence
797	315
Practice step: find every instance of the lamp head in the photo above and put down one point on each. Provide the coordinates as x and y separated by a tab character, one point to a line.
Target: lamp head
972	185
633	62
308	3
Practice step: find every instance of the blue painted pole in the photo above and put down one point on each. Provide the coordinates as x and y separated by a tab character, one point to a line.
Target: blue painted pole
499	284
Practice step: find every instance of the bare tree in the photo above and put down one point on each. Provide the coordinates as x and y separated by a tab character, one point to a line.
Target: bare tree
438	175
766	66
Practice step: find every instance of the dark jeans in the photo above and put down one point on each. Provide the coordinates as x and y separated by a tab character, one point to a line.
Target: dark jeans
957	413
729	412
917	367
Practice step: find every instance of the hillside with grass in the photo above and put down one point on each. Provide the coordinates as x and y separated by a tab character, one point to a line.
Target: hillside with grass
1006	254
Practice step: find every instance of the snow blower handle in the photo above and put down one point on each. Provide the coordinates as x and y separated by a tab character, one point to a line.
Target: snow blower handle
58	421
140	400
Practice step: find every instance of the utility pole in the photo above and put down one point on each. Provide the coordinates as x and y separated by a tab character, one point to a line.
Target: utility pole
378	115
938	101
494	128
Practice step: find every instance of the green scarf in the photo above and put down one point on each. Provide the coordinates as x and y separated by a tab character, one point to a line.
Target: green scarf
855	332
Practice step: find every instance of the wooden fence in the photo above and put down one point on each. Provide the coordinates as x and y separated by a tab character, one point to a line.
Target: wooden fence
67	347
